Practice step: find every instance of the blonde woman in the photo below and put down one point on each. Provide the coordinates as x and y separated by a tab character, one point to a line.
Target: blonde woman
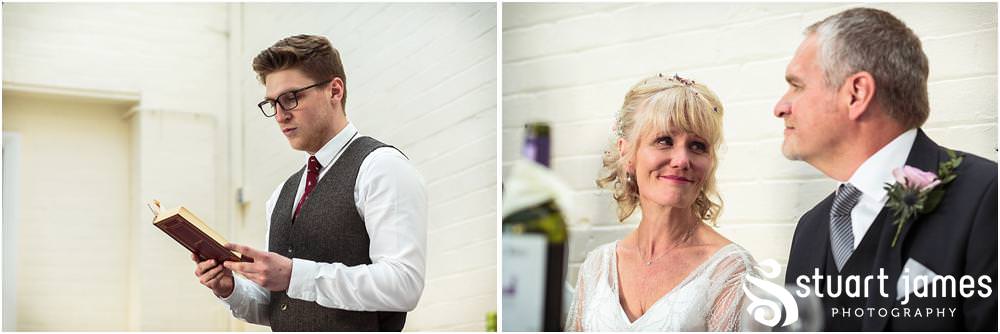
674	272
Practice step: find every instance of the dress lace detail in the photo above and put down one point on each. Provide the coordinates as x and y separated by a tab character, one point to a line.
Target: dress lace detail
710	298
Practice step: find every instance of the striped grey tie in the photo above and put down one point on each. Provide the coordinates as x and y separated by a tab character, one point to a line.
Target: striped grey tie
841	235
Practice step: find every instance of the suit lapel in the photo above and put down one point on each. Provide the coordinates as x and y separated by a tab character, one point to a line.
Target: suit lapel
811	249
925	155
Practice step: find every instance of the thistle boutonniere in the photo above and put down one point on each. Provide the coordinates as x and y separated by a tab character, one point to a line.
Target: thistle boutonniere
918	192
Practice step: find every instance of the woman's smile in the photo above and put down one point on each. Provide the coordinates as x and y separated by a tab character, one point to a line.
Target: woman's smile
675	179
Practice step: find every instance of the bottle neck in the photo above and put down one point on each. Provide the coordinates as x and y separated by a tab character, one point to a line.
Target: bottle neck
536	148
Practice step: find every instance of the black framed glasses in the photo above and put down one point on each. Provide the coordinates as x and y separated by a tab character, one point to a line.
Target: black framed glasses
288	100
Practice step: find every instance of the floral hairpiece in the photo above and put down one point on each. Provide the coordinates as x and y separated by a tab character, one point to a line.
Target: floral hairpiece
686	82
618	127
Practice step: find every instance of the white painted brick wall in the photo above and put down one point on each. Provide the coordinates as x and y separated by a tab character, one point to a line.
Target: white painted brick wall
571	65
421	77
172	57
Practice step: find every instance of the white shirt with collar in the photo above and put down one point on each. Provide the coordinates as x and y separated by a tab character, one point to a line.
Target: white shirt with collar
391	197
870	178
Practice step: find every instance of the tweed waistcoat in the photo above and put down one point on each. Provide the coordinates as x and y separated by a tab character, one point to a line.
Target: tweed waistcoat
327	229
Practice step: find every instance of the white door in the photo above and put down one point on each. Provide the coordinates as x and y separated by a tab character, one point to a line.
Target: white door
11	160
72	237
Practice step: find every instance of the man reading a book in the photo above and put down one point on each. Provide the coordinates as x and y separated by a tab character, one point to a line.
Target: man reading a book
346	235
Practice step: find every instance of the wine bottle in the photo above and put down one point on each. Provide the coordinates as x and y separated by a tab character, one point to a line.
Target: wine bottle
534	245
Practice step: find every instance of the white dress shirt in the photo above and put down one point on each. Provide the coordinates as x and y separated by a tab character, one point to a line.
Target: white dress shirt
871	178
391	198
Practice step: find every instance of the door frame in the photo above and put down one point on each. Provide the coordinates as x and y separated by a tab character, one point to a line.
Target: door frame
128	100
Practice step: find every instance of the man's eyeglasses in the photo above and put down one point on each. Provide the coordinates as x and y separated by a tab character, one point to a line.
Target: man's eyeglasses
288	101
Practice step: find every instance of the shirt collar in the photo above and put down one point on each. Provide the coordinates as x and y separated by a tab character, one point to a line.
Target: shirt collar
875	172
327	154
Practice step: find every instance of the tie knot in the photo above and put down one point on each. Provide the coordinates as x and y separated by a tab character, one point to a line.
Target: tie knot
847	197
314	165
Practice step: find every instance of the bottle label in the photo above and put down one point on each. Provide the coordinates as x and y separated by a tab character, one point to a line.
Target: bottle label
523	282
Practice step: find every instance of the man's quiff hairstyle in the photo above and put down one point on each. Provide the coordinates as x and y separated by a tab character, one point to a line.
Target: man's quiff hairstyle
874	41
313	55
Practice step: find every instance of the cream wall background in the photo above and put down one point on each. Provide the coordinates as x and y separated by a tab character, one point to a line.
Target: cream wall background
40	124
177	83
571	65
167	65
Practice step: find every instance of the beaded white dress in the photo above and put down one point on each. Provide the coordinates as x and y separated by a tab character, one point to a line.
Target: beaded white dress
710	298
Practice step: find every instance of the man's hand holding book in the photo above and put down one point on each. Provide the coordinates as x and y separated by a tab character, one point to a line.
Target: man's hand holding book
214	276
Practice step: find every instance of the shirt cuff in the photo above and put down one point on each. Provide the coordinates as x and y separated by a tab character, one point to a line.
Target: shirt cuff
302	284
235	297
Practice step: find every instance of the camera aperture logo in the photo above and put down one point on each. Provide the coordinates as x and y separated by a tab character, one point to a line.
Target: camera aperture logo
764	310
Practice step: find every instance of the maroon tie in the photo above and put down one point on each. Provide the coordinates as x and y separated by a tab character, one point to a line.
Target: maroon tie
311	178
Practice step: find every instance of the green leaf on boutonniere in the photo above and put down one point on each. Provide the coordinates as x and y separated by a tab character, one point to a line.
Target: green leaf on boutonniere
933	199
946	169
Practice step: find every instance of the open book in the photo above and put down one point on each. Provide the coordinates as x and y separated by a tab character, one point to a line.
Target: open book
189	231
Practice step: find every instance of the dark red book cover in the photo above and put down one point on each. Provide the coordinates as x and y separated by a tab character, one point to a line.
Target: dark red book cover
197	237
